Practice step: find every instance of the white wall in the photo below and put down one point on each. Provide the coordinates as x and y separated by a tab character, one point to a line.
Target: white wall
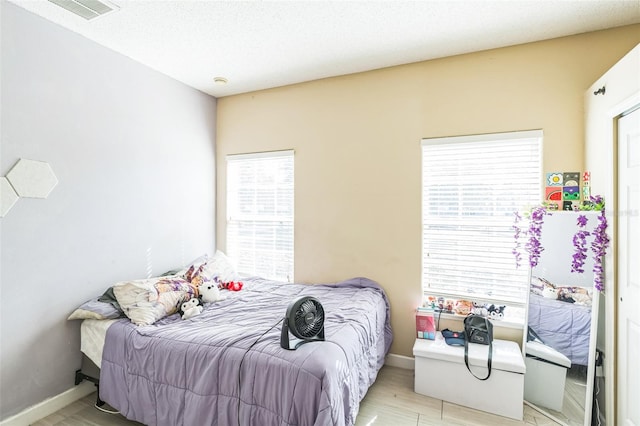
134	153
622	82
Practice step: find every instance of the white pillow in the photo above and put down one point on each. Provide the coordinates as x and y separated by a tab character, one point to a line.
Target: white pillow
220	269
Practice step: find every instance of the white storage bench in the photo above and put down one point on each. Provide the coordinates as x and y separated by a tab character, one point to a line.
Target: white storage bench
441	373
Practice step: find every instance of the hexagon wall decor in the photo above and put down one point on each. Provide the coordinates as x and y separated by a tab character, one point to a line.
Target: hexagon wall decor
8	196
32	179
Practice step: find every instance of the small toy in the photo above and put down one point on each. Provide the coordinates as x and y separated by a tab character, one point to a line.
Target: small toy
191	308
549	292
480	309
233	286
448	305
431	302
496	311
463	307
565	297
209	292
442	305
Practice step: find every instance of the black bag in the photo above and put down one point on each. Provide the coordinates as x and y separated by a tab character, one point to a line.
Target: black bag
478	329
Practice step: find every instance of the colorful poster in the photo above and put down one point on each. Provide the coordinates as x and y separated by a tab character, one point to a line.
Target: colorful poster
567	190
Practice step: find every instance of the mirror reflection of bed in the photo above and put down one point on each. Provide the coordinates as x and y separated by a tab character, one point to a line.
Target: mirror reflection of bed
562	323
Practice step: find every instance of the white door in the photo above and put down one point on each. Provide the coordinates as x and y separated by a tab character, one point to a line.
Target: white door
628	269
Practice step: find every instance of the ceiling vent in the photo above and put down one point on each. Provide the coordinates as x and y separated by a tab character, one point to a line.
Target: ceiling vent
87	9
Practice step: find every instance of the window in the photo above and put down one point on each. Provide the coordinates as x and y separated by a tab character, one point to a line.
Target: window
260	214
471	187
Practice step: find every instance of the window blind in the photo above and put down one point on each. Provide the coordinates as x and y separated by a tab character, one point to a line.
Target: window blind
471	187
260	213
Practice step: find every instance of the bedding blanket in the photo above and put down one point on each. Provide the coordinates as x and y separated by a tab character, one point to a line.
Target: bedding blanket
566	327
226	367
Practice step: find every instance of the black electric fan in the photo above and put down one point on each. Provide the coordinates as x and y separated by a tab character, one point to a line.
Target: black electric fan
305	320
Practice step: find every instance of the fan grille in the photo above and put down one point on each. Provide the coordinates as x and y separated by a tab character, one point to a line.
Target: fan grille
308	318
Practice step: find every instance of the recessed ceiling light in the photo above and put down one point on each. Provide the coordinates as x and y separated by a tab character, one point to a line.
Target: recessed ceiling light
220	80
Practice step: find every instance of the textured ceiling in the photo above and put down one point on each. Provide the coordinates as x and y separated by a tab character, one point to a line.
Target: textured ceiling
261	44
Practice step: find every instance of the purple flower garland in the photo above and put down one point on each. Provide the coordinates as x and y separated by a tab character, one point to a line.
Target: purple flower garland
600	241
598	246
599	249
533	246
580	245
516	235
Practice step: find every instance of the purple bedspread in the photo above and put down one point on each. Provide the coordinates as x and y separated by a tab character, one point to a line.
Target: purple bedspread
190	372
565	327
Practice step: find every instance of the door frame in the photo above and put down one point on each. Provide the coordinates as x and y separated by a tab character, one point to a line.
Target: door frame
611	261
630	104
602	109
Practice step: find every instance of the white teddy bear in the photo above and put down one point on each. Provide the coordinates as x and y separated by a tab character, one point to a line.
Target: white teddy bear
210	292
550	292
191	308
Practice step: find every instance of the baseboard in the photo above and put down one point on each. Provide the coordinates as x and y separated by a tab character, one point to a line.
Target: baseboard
49	406
401	361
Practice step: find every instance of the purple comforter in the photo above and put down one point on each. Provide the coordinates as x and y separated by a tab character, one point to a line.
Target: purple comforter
565	327
226	367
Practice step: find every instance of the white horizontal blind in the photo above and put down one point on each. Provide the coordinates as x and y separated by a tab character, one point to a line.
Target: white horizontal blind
260	214
471	187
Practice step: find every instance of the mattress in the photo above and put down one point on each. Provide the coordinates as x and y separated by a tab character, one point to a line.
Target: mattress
92	336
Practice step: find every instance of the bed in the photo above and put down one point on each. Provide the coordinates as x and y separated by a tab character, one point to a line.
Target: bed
564	326
226	366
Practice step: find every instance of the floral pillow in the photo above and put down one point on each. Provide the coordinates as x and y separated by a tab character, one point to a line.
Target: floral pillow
539	284
146	301
577	295
545	288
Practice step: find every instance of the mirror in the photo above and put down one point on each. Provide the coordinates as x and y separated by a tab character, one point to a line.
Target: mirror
563	322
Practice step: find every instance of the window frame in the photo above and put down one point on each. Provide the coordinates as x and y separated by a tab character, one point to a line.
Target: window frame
427	290
257	222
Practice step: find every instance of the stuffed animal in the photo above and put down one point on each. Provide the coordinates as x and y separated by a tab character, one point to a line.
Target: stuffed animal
581	299
480	309
443	305
549	292
191	308
463	307
496	311
565	297
448	305
233	286
209	292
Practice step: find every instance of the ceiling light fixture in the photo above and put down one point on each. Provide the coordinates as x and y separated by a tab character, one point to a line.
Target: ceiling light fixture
220	81
87	9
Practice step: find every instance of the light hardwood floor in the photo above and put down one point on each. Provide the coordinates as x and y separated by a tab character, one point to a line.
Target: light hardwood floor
389	402
574	398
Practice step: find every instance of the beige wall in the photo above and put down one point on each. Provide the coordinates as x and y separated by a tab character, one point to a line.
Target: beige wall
357	147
